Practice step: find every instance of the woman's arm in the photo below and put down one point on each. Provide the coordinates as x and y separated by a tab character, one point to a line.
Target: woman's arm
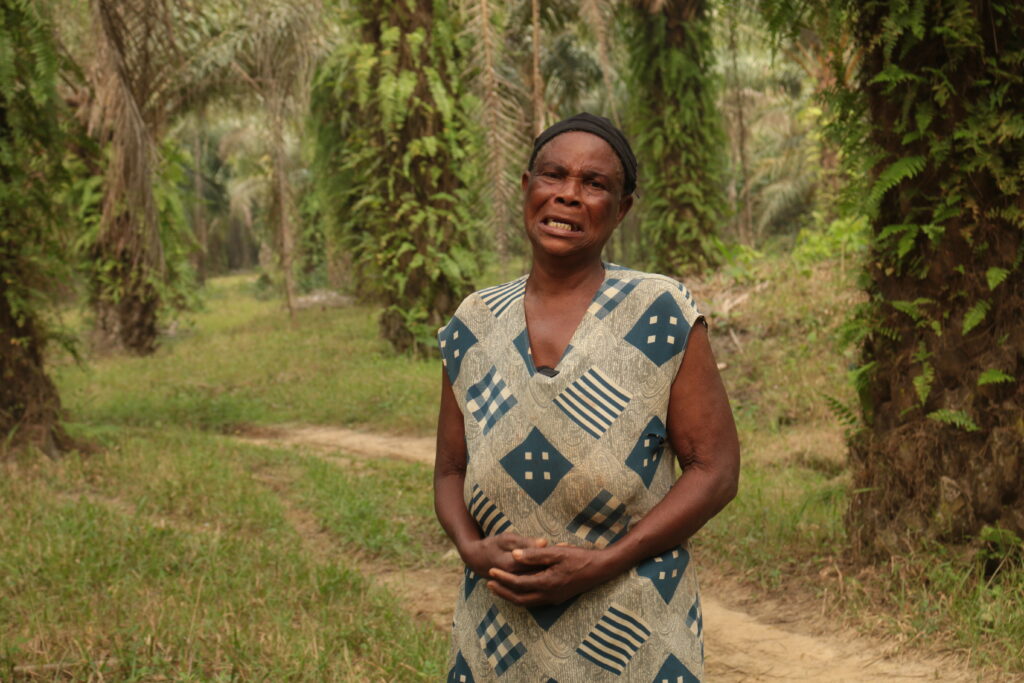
479	553
702	432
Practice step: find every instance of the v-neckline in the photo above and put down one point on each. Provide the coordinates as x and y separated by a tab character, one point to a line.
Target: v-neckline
575	333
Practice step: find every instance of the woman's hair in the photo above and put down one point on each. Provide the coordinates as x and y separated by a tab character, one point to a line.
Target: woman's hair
601	127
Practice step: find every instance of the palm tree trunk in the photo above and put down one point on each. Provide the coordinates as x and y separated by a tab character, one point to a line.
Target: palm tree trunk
199	205
537	79
942	453
284	210
30	407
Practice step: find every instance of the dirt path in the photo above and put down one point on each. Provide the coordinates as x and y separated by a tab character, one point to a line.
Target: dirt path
739	645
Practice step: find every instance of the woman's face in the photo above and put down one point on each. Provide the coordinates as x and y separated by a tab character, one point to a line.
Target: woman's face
572	199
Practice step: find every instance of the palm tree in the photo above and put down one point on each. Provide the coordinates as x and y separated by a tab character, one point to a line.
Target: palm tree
31	248
396	163
677	129
156	61
939	92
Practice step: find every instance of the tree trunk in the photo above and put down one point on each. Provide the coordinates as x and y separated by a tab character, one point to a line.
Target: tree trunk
745	213
680	142
942	453
284	213
536	79
199	225
30	408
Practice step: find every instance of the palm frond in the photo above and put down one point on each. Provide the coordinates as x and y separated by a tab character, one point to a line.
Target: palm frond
500	110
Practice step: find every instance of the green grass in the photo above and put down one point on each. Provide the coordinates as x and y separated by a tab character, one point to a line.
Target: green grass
243	361
348	502
163	556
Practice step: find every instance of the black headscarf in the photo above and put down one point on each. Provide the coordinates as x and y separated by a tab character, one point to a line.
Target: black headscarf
601	127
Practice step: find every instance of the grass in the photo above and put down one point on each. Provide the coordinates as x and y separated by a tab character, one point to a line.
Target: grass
163	556
167	552
243	361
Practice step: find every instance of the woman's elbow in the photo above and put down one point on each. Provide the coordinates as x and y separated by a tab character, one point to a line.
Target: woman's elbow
728	481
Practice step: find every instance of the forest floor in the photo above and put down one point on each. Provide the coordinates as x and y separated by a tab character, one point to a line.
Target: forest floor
748	637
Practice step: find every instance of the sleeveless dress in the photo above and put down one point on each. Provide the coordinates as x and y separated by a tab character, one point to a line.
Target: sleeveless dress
577	458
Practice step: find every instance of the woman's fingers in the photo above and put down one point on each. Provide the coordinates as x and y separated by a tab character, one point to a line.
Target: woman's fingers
524	599
509	541
538	556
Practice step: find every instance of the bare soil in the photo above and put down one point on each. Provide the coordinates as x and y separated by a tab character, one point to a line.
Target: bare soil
748	636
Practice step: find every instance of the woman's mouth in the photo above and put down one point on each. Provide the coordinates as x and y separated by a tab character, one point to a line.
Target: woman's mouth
561	225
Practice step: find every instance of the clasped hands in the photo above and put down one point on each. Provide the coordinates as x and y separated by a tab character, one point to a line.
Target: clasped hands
530	572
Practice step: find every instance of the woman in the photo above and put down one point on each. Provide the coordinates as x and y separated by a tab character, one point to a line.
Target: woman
563	395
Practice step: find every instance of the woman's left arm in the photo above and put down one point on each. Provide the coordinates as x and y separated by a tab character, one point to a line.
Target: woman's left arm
702	433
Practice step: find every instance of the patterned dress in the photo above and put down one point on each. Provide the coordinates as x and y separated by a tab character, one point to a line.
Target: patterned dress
577	458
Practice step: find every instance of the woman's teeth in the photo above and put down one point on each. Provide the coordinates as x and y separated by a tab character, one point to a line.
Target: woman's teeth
561	226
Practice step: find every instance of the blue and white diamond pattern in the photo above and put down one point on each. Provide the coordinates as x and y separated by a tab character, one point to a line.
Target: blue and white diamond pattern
489	399
602	522
536	465
593	402
661	331
547	615
461	672
455	339
613	291
522	344
665	571
695	618
500	645
615	638
500	297
491	520
674	671
646	454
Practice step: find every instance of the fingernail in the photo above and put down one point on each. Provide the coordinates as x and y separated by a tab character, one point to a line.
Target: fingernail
517	553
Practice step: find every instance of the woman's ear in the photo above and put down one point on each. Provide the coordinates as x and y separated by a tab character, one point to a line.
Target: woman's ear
625	204
525	180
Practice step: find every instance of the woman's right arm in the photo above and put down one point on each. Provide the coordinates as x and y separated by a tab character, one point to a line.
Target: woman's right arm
479	553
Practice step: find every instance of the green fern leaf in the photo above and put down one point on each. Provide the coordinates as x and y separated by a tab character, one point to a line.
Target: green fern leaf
923	382
995	276
956	418
994	377
975	315
897	172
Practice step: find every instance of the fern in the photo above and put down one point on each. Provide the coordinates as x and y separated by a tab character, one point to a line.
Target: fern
996	276
956	418
843	413
923	382
897	172
993	376
975	315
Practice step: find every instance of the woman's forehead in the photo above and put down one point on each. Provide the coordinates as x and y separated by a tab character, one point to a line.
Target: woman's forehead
580	147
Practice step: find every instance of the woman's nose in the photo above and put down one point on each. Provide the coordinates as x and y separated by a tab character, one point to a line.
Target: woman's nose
569	192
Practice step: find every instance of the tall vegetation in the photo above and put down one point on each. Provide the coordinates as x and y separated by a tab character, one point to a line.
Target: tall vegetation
935	123
395	161
677	130
135	94
31	249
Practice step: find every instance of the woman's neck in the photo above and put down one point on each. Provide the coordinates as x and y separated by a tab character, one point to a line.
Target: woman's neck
553	278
